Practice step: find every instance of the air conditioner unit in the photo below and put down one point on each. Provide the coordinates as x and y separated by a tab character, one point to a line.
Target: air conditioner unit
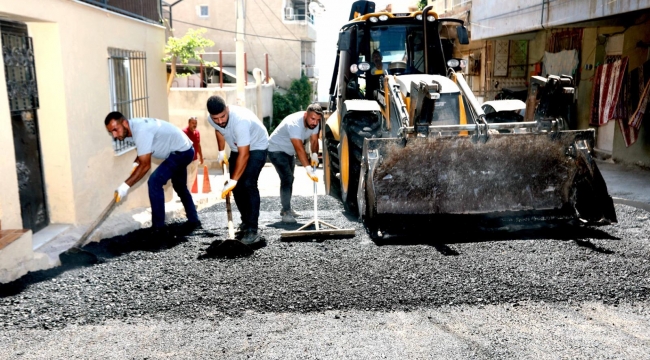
288	13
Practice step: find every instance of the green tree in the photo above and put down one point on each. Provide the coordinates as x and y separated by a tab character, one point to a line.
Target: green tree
297	98
184	49
422	4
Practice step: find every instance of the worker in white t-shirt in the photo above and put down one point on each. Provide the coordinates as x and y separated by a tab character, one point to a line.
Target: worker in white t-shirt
286	143
161	140
248	140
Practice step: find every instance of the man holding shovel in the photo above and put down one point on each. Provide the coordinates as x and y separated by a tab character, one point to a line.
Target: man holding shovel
161	140
285	143
248	141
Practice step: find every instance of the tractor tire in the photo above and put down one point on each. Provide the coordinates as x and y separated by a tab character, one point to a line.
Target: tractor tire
370	219
353	133
349	170
331	164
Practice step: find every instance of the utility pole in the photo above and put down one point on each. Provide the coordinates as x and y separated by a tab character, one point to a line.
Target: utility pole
239	50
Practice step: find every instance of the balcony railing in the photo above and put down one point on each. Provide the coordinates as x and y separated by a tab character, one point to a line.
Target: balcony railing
309	71
304	17
146	10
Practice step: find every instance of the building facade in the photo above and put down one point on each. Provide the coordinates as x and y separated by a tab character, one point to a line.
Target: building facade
66	64
510	41
283	29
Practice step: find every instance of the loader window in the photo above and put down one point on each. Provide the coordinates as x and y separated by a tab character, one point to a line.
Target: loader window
397	43
446	110
391	40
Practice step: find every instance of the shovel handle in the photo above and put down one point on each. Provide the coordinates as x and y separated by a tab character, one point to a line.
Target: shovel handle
315	202
231	227
82	240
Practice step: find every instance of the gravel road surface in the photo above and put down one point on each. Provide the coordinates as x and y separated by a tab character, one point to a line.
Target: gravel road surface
578	292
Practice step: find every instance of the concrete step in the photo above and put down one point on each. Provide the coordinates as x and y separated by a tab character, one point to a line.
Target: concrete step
17	256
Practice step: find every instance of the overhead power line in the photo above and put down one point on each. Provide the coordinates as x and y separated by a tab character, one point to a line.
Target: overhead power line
234	32
271	23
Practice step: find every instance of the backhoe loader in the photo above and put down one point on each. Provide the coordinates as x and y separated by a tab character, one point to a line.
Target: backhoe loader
407	137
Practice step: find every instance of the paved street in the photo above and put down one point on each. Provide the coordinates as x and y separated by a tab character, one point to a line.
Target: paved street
444	293
472	129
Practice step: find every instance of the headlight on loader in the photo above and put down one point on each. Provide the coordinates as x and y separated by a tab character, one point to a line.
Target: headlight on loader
364	66
453	63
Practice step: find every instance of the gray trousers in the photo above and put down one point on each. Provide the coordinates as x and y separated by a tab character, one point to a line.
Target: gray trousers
284	164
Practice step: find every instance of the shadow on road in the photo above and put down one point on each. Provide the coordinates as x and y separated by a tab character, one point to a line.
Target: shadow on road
141	240
592	246
441	237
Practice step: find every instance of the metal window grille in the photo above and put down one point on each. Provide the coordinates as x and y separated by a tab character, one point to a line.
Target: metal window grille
20	74
128	79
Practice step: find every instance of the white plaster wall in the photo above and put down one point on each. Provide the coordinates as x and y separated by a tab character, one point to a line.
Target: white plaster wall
494	18
53	124
20	250
9	200
80	170
18	258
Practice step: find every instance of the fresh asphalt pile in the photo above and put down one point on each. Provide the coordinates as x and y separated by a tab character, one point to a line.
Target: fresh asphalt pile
143	278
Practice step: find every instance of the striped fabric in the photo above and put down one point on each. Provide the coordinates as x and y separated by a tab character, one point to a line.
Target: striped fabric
606	91
635	119
639	96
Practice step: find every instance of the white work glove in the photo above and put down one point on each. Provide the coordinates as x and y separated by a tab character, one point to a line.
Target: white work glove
121	191
312	174
227	188
314	159
222	159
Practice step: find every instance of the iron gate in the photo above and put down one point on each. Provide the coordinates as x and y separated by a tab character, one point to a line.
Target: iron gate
20	75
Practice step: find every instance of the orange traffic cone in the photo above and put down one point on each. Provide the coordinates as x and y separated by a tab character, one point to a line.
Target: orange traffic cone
206	180
195	187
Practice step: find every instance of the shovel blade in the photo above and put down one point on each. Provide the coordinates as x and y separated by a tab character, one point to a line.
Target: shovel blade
228	249
77	257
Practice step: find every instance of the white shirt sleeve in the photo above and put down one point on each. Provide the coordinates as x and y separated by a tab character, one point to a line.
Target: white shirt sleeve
295	131
242	134
144	142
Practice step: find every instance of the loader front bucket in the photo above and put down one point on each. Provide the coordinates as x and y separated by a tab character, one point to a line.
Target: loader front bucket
508	174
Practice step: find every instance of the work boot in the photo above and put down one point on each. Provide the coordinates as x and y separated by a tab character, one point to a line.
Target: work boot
287	218
241	231
292	212
251	237
190	226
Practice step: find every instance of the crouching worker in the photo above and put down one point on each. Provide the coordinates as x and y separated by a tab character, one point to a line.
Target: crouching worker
248	141
287	141
161	140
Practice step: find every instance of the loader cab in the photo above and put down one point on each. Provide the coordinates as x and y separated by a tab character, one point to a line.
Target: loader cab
398	46
407	44
415	43
401	47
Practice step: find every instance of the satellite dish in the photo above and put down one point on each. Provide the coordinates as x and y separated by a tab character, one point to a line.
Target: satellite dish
316	8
